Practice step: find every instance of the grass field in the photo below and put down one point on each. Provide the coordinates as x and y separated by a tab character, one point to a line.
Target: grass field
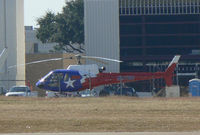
110	114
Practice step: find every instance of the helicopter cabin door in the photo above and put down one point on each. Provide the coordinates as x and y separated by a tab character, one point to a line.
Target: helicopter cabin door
71	81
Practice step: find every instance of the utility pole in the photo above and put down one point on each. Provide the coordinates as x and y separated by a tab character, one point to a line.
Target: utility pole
90	83
177	81
121	85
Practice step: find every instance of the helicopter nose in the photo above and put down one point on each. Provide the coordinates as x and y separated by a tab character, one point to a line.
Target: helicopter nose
40	84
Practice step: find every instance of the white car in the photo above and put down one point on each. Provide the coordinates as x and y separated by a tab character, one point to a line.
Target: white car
50	94
20	91
88	93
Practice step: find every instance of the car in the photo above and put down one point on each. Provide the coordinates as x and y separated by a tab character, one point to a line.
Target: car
126	91
21	90
111	90
88	93
2	91
108	90
51	94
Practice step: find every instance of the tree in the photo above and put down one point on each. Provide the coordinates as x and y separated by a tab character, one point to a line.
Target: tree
66	28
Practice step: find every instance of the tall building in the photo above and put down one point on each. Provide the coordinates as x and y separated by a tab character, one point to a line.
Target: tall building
145	33
12	38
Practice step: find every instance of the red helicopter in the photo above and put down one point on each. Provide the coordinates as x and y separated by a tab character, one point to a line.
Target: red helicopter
80	77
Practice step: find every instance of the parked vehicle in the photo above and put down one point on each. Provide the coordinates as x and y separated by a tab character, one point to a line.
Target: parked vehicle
21	91
107	90
88	93
2	91
111	90
50	94
126	92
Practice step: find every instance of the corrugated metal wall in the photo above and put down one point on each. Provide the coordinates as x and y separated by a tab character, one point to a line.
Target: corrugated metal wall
102	31
2	32
159	7
12	34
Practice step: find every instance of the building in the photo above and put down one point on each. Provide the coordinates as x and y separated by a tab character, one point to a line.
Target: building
102	31
145	33
12	38
34	45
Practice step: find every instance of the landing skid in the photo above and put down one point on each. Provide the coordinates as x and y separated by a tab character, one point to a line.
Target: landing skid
51	94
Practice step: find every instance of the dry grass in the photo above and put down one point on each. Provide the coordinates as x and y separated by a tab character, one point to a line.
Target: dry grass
98	114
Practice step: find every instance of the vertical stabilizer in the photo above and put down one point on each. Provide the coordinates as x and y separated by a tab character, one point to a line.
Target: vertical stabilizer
169	73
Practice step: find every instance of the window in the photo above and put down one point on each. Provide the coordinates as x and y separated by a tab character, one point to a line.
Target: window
66	77
35	47
19	89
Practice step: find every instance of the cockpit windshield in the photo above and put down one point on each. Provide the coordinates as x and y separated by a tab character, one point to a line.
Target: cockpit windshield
46	76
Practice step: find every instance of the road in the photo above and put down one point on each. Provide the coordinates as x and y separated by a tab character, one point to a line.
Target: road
112	133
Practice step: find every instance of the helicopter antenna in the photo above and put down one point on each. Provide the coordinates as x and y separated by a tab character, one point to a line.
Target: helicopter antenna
78	58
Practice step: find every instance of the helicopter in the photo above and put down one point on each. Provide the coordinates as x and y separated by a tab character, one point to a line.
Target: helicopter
77	78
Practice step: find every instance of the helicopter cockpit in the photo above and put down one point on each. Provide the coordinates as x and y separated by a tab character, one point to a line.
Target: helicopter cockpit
52	79
60	79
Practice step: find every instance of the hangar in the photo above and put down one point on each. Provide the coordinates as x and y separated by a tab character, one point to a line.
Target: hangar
145	33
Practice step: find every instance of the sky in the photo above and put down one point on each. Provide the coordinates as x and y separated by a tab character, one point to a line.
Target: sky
34	9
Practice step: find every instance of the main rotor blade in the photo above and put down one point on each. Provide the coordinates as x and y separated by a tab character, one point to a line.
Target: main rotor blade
35	62
98	60
40	61
102	58
78	57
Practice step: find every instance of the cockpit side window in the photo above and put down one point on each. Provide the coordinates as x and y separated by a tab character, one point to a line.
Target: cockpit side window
66	77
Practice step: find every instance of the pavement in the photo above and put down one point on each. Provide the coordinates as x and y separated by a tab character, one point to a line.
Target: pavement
111	133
